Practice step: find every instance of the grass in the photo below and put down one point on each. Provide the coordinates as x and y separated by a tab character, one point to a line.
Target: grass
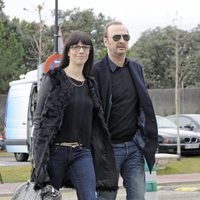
11	174
185	166
14	174
3	153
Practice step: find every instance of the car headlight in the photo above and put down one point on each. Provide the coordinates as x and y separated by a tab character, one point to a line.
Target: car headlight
169	141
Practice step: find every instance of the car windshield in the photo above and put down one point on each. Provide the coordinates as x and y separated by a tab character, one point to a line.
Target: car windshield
162	122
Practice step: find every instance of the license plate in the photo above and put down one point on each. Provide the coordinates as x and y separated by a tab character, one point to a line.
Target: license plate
191	146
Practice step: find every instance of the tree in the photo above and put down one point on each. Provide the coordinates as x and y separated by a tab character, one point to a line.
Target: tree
11	58
191	65
86	21
29	34
155	50
25	38
1	6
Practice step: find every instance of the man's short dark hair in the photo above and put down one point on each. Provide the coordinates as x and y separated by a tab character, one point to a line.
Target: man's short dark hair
105	32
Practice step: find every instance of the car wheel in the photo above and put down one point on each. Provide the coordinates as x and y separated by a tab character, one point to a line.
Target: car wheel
21	157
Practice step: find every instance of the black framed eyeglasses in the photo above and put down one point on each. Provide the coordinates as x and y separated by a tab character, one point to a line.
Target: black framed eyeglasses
77	48
116	38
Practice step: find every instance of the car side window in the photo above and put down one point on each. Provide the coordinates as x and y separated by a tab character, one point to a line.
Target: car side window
186	123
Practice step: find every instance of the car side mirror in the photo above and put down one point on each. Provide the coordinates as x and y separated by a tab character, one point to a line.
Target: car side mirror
189	127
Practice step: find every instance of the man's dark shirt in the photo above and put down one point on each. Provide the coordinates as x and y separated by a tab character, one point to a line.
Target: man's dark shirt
125	105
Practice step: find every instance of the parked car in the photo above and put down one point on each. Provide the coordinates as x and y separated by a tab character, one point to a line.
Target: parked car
187	121
2	145
167	138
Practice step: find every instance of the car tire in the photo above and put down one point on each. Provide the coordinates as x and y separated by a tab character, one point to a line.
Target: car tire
20	157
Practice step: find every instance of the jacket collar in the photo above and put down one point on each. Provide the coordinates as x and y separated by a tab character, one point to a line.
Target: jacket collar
112	66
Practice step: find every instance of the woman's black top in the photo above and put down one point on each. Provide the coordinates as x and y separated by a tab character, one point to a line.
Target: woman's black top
77	121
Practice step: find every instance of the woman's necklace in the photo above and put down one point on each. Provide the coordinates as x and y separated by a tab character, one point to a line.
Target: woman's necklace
73	83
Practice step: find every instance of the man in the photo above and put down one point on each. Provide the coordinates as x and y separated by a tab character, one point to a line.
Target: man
128	112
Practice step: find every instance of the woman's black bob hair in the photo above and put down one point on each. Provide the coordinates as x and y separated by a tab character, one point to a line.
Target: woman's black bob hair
74	38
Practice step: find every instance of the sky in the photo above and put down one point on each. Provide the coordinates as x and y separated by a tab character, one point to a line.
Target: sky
138	16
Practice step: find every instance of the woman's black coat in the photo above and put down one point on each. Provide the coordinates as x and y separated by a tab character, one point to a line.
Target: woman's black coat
53	99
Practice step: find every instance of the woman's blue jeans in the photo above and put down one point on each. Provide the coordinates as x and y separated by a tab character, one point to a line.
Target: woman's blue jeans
130	164
78	164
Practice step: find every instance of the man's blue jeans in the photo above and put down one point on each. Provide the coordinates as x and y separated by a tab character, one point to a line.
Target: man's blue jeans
130	164
78	164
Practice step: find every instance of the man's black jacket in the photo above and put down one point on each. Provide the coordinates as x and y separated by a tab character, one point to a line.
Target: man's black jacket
147	137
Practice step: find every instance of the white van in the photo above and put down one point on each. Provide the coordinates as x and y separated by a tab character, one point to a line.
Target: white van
20	105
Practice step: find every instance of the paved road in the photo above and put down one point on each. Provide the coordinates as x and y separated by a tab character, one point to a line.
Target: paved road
184	191
10	161
164	194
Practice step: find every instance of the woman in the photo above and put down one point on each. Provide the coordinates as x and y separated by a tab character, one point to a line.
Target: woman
72	145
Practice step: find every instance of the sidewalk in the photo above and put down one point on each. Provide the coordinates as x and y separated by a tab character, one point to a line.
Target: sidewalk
178	178
8	188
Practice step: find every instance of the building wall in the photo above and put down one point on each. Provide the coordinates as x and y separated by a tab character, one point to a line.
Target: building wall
164	101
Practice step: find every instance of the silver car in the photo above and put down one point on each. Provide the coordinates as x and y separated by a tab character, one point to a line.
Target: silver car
167	136
187	121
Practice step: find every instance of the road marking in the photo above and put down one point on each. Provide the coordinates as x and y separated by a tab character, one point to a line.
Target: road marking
187	189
